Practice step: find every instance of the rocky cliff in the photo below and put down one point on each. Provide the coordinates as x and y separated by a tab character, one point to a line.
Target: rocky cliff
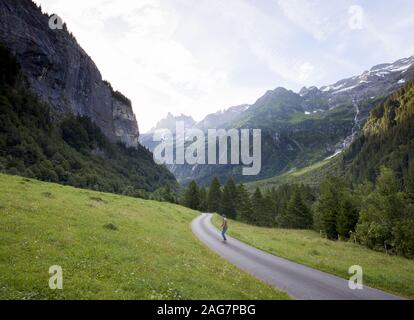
61	73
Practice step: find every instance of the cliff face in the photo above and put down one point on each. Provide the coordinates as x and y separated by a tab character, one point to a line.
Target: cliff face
61	73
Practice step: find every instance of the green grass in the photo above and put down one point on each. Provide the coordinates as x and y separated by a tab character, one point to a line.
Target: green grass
311	175
390	273
109	246
299	117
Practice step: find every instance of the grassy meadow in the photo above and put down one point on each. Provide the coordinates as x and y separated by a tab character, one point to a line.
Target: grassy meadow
311	175
389	273
109	246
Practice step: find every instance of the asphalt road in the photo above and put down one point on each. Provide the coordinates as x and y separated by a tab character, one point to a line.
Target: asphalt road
299	281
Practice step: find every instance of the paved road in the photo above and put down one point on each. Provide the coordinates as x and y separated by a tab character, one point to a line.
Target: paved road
298	281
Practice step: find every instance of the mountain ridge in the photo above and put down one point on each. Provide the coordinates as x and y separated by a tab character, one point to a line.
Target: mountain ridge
299	129
86	145
62	74
387	138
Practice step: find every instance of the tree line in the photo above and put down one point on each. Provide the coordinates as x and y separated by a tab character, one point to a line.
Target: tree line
288	206
378	215
36	142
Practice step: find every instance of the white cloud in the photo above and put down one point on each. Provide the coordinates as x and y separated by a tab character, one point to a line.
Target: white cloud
266	37
137	48
196	57
316	17
305	71
133	45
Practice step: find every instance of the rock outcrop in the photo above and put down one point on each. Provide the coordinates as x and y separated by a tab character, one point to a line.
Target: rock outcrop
61	73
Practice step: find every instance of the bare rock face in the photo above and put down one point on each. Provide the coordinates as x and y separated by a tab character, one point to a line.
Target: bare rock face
62	74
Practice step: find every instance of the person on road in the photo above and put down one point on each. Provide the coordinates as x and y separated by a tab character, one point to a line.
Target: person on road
224	228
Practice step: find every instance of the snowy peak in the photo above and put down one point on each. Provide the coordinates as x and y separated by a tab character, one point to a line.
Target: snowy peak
380	77
380	80
400	65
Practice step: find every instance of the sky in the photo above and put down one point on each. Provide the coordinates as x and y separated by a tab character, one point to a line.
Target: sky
198	57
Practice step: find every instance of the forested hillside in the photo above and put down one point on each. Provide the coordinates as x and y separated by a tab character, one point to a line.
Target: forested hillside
304	128
387	139
378	215
36	142
365	195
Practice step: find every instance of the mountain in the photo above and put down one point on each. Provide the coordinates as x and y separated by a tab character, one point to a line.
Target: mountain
300	129
381	78
221	118
280	105
59	121
169	123
272	110
61	73
211	121
387	138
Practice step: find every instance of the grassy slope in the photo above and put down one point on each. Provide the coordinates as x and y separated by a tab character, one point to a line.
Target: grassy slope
389	273
311	175
152	255
299	117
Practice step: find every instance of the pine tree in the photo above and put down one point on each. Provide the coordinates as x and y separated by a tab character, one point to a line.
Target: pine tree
192	196
228	200
409	183
267	214
297	214
348	215
387	183
203	200
257	206
244	204
167	194
327	207
282	196
382	214
214	196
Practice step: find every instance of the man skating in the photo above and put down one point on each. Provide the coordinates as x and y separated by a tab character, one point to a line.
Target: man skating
224	228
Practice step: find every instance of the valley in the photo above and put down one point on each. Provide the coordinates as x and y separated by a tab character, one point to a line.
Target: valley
109	247
392	274
298	129
318	181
